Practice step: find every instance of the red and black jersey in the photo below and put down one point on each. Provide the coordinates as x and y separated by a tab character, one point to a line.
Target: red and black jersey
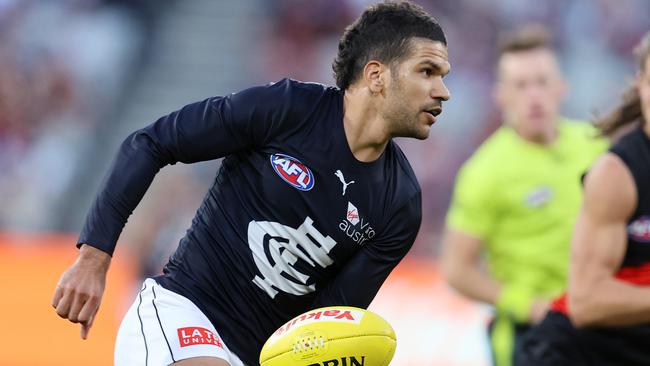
613	345
634	150
293	220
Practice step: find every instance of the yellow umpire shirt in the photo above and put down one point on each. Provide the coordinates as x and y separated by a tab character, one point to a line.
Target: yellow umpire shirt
522	200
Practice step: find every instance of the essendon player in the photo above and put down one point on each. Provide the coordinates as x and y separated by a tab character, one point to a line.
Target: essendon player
313	205
605	317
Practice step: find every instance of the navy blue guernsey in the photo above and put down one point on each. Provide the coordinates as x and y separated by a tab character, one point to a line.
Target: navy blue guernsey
293	220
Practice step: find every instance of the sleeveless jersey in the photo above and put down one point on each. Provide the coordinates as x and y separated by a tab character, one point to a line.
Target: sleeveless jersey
630	345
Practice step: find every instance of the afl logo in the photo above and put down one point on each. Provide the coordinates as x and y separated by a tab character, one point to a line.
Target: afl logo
639	229
293	171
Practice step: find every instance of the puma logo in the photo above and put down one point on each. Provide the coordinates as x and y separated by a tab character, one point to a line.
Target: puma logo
342	179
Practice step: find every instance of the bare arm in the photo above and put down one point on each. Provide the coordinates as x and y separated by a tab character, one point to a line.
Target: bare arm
461	257
461	266
596	297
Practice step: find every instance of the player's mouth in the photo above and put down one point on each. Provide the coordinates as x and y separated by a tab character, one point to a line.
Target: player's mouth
536	115
432	113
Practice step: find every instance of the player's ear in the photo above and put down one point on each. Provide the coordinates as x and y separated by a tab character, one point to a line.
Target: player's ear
374	74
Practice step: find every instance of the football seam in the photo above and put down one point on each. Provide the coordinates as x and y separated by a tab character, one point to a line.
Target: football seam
338	338
365	334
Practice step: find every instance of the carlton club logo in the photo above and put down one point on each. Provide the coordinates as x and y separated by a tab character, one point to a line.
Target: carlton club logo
293	171
639	229
276	248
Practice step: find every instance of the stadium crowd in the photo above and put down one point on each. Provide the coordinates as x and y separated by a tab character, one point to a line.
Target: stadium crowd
64	65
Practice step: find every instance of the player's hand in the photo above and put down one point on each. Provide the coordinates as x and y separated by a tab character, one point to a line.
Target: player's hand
538	310
80	289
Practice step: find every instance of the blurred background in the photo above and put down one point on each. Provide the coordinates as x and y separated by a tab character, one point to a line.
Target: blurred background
76	76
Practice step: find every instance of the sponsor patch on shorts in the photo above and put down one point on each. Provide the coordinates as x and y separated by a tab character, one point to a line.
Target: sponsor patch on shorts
191	336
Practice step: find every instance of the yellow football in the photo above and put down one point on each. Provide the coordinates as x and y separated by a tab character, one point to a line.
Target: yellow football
331	336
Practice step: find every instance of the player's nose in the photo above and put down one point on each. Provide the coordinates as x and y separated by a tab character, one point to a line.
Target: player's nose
440	91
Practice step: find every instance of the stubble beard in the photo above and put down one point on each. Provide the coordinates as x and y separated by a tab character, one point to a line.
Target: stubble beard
401	121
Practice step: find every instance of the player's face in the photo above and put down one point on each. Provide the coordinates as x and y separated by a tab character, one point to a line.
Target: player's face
416	90
529	91
643	84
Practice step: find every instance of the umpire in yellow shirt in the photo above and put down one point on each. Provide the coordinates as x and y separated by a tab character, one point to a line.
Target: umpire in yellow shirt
516	199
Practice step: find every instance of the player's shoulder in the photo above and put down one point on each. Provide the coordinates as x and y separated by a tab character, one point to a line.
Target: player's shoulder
287	89
307	86
302	89
304	96
611	193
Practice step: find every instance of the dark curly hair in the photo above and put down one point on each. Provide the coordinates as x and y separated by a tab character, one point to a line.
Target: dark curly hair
383	33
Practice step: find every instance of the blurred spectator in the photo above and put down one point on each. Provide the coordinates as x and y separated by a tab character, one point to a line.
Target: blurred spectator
54	55
64	63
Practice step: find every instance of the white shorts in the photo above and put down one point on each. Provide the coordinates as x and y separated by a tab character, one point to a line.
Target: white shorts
163	327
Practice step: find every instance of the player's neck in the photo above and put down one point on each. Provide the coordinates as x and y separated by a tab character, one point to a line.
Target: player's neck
543	139
365	129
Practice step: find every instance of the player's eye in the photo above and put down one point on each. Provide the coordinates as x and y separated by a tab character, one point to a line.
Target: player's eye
427	71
